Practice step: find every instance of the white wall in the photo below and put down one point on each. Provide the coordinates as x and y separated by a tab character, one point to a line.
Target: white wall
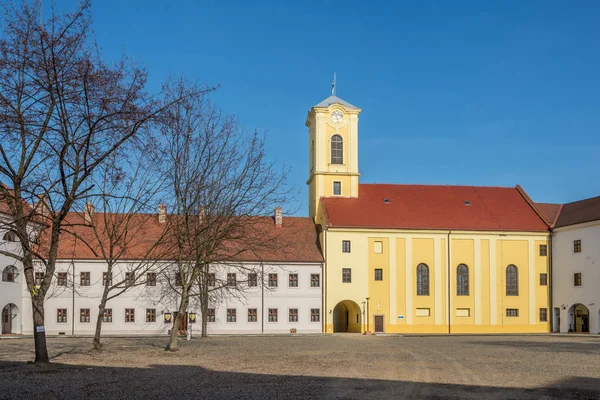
12	292
565	262
142	297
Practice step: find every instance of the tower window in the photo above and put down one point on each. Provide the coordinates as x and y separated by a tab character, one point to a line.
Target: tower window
337	188
337	150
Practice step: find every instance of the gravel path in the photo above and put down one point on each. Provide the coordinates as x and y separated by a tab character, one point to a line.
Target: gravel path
337	366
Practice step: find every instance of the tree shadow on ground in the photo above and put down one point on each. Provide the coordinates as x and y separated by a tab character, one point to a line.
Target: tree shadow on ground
62	381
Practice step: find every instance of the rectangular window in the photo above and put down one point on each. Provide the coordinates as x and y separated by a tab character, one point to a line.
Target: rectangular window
272	315
130	315
231	315
543	315
543	279
378	247
315	280
252	280
315	315
212	279
252	315
151	279
84	315
423	312
210	315
178	278
543	250
61	279
84	279
61	315
150	314
577	246
106	279
39	277
231	280
107	315
346	275
345	246
512	312
293	315
378	274
577	279
272	280
293	280
337	188
129	278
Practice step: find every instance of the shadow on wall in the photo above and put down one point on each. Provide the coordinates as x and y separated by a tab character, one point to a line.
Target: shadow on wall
179	381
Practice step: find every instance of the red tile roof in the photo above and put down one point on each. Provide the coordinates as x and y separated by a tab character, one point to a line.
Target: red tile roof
295	241
578	212
550	211
434	207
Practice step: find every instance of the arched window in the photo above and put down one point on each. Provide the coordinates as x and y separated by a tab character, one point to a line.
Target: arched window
462	280
337	149
512	281
9	237
422	280
9	274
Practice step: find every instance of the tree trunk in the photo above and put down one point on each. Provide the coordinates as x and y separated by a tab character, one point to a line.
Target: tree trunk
99	320
204	311
177	321
39	331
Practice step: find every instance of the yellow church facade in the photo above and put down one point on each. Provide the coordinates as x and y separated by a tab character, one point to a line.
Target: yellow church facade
421	258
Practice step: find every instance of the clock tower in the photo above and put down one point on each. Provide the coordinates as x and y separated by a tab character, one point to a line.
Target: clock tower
333	152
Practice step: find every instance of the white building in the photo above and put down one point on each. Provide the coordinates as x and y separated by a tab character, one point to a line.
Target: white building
576	267
275	292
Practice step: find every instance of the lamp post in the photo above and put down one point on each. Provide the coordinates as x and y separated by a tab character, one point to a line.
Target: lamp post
367	315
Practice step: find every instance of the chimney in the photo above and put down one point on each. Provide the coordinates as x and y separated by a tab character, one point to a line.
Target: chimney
40	207
162	213
89	212
278	217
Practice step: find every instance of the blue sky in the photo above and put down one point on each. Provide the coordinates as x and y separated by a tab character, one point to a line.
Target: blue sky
477	93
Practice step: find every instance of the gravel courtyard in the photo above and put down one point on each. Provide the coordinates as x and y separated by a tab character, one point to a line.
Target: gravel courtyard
338	366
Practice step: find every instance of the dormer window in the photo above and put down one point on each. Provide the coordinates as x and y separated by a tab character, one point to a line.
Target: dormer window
467	203
386	200
337	149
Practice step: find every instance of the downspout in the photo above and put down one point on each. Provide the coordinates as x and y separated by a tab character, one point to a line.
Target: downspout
550	297
73	305
324	289
262	296
448	279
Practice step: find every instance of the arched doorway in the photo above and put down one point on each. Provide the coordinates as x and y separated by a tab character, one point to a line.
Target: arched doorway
347	317
579	319
9	319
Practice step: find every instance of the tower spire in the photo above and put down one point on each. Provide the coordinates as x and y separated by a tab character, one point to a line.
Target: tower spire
333	85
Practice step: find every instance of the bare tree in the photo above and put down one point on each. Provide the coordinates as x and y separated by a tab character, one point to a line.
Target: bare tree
119	225
63	113
220	181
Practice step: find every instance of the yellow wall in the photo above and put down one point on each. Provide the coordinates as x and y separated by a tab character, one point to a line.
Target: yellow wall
486	254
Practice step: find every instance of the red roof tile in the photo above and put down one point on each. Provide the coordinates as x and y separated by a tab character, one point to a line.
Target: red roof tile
434	207
295	241
549	210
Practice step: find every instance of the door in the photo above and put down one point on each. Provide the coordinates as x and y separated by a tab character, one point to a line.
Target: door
6	320
379	324
184	322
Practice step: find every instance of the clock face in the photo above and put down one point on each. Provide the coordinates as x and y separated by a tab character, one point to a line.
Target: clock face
336	116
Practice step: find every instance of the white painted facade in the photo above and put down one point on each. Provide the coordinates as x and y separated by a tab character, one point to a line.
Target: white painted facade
565	264
74	297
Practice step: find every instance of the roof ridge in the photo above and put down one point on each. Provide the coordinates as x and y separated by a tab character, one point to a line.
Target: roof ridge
436	185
